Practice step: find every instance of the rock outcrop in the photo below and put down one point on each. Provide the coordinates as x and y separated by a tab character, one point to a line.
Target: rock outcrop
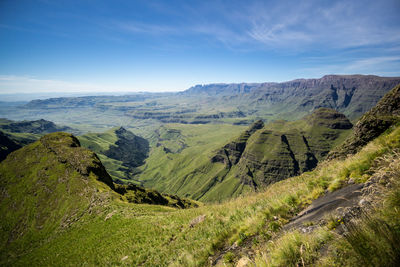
372	124
265	154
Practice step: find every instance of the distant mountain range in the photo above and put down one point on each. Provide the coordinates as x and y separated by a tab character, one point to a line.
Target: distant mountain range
352	95
242	103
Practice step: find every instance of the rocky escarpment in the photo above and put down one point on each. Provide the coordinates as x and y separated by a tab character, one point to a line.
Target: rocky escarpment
230	154
266	154
283	155
373	123
352	95
327	118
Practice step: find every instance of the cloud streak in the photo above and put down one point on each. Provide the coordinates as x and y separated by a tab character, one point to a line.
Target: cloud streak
12	84
383	65
337	25
143	28
284	25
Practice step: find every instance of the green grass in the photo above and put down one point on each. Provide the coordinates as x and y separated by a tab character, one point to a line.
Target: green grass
119	150
372	240
180	160
295	249
159	236
188	173
373	237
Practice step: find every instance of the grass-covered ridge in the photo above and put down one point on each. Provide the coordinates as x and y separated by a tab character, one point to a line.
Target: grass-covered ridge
119	233
190	161
48	186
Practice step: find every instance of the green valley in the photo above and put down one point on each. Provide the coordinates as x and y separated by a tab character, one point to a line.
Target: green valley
120	151
260	184
204	133
71	213
260	156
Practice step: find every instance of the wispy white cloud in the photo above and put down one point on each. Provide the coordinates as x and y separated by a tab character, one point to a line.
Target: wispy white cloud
368	63
282	24
145	28
382	65
10	84
341	24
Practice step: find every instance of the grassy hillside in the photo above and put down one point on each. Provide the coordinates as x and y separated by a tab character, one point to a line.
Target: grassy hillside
261	155
120	151
113	232
179	162
40	195
59	206
48	186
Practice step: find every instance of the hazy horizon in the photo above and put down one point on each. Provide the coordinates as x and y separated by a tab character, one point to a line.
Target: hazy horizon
28	96
142	46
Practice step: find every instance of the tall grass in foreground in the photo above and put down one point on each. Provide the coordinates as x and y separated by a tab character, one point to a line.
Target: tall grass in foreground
374	239
371	240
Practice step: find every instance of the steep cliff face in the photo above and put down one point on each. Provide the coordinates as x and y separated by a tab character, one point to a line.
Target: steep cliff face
7	145
231	153
352	95
274	156
327	118
373	123
266	154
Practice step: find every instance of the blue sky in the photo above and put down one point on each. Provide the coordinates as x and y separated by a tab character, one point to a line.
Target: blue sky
94	45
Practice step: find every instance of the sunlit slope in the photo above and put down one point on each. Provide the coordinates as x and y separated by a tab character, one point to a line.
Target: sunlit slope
46	186
179	162
261	155
118	233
